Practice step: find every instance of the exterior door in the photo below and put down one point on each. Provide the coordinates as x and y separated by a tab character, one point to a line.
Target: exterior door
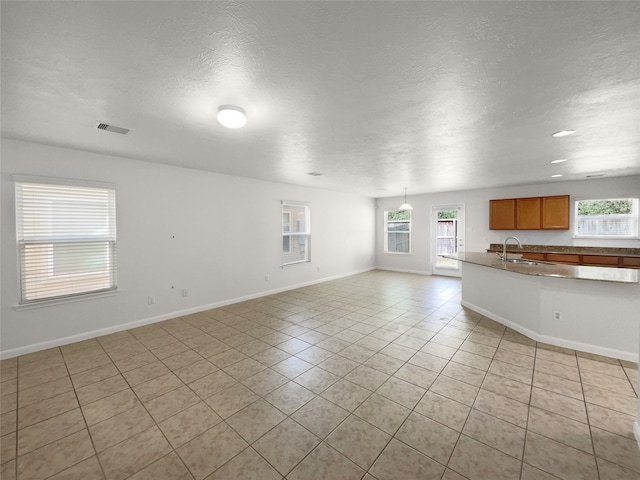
447	237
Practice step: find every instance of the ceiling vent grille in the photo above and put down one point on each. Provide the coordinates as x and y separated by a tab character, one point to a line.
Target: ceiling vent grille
112	128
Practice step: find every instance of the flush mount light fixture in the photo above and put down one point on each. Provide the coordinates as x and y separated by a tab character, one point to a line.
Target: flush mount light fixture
560	160
405	205
563	133
231	116
557	175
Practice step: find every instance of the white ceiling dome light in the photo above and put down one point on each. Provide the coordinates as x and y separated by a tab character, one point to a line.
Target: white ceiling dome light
231	116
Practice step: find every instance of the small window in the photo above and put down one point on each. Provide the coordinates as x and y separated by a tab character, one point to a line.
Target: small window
66	235
606	218
296	233
397	231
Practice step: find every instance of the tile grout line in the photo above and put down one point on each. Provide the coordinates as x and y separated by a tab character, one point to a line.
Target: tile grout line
474	400
319	313
526	431
586	410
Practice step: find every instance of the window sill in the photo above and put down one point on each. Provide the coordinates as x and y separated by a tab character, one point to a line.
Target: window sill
63	300
302	262
600	237
398	253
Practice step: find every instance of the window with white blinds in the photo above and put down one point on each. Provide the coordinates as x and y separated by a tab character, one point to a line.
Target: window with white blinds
296	233
66	236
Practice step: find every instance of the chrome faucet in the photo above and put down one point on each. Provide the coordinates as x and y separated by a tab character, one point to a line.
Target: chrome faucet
504	247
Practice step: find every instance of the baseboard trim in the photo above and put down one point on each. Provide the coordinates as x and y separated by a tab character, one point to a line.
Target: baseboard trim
403	270
58	342
559	342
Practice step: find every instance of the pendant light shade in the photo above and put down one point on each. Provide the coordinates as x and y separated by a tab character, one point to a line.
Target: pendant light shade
231	116
405	206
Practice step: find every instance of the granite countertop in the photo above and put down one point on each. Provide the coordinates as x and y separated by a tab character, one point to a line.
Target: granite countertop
546	269
604	251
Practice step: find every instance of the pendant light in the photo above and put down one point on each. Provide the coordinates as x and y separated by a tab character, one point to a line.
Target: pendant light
405	205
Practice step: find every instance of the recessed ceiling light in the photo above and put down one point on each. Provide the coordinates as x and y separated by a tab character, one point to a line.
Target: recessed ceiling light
563	133
231	116
556	175
560	160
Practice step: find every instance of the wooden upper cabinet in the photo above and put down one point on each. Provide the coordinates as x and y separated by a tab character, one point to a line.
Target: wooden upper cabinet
502	214
535	213
528	213
555	212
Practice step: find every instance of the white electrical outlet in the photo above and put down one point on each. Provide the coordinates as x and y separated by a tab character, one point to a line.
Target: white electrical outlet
557	316
151	299
185	292
266	278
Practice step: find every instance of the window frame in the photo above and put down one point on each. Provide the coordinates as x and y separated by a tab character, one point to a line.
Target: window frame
387	232
306	233
635	218
286	228
56	241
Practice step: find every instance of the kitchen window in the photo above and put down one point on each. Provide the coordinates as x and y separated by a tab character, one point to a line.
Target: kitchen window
66	236
606	218
397	231
296	232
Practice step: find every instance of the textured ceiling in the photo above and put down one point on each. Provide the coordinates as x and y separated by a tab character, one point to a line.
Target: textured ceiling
376	96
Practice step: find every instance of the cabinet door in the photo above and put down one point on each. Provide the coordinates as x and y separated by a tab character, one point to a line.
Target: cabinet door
599	260
555	212
631	262
564	258
528	213
502	214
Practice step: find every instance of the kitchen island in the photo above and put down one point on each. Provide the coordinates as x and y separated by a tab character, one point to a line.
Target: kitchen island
592	309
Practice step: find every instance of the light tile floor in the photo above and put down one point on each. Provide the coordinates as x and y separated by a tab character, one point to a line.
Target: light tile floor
377	376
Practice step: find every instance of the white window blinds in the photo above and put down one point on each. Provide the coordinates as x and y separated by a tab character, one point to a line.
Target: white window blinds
66	238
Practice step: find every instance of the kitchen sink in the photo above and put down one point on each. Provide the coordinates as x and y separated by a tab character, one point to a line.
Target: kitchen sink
524	261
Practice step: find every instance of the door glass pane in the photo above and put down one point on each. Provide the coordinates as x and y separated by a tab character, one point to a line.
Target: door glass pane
446	237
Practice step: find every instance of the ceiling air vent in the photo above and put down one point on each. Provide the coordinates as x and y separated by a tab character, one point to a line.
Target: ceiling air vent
314	174
112	128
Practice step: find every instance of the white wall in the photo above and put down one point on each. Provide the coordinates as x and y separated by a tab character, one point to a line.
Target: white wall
477	233
227	239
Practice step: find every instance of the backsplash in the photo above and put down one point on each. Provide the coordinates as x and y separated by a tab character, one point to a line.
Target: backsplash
567	249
